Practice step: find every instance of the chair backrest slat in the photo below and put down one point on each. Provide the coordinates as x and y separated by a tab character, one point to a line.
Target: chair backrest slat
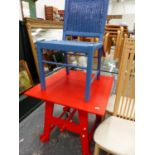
125	94
85	18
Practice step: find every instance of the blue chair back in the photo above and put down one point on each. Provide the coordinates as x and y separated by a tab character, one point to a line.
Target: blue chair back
85	18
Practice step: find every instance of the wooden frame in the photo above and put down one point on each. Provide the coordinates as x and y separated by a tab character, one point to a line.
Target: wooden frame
38	23
114	33
25	79
113	29
121	48
110	17
119	44
107	43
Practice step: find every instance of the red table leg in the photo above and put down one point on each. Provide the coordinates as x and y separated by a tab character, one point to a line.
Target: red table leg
83	119
96	123
47	125
82	128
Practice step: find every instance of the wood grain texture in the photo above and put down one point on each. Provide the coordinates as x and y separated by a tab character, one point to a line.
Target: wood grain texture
126	82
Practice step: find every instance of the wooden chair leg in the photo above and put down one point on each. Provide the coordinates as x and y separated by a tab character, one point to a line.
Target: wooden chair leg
96	150
109	45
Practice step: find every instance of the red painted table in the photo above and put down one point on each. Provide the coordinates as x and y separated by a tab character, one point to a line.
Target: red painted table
68	90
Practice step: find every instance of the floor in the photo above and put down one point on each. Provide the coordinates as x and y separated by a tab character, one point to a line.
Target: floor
65	143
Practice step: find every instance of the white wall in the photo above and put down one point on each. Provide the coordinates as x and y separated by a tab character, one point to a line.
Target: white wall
125	7
20	12
115	8
40	13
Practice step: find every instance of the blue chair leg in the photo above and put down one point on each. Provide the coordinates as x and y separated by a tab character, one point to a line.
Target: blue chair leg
88	76
66	61
41	68
99	63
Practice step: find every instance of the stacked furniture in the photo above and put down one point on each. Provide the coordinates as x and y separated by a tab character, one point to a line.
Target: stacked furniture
119	45
112	32
76	25
76	91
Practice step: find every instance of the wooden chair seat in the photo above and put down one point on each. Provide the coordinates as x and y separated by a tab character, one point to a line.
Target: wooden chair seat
125	102
116	135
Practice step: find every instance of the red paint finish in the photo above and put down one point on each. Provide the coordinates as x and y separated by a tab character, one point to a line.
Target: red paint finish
68	91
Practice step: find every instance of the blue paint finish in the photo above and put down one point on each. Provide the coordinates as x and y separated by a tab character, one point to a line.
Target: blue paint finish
85	18
99	62
89	73
41	68
66	45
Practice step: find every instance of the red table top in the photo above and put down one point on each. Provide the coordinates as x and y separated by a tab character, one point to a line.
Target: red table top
68	90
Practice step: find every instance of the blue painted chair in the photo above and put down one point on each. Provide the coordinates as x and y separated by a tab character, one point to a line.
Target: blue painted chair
84	18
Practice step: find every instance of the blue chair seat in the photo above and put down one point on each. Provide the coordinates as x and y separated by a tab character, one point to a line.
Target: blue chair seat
65	45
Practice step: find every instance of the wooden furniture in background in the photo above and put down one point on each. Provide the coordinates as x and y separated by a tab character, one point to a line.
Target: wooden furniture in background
116	134
43	23
113	29
50	13
107	43
119	41
112	32
61	13
110	17
38	23
119	45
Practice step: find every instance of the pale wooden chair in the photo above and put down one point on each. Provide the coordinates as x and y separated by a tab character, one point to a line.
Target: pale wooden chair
115	134
119	47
